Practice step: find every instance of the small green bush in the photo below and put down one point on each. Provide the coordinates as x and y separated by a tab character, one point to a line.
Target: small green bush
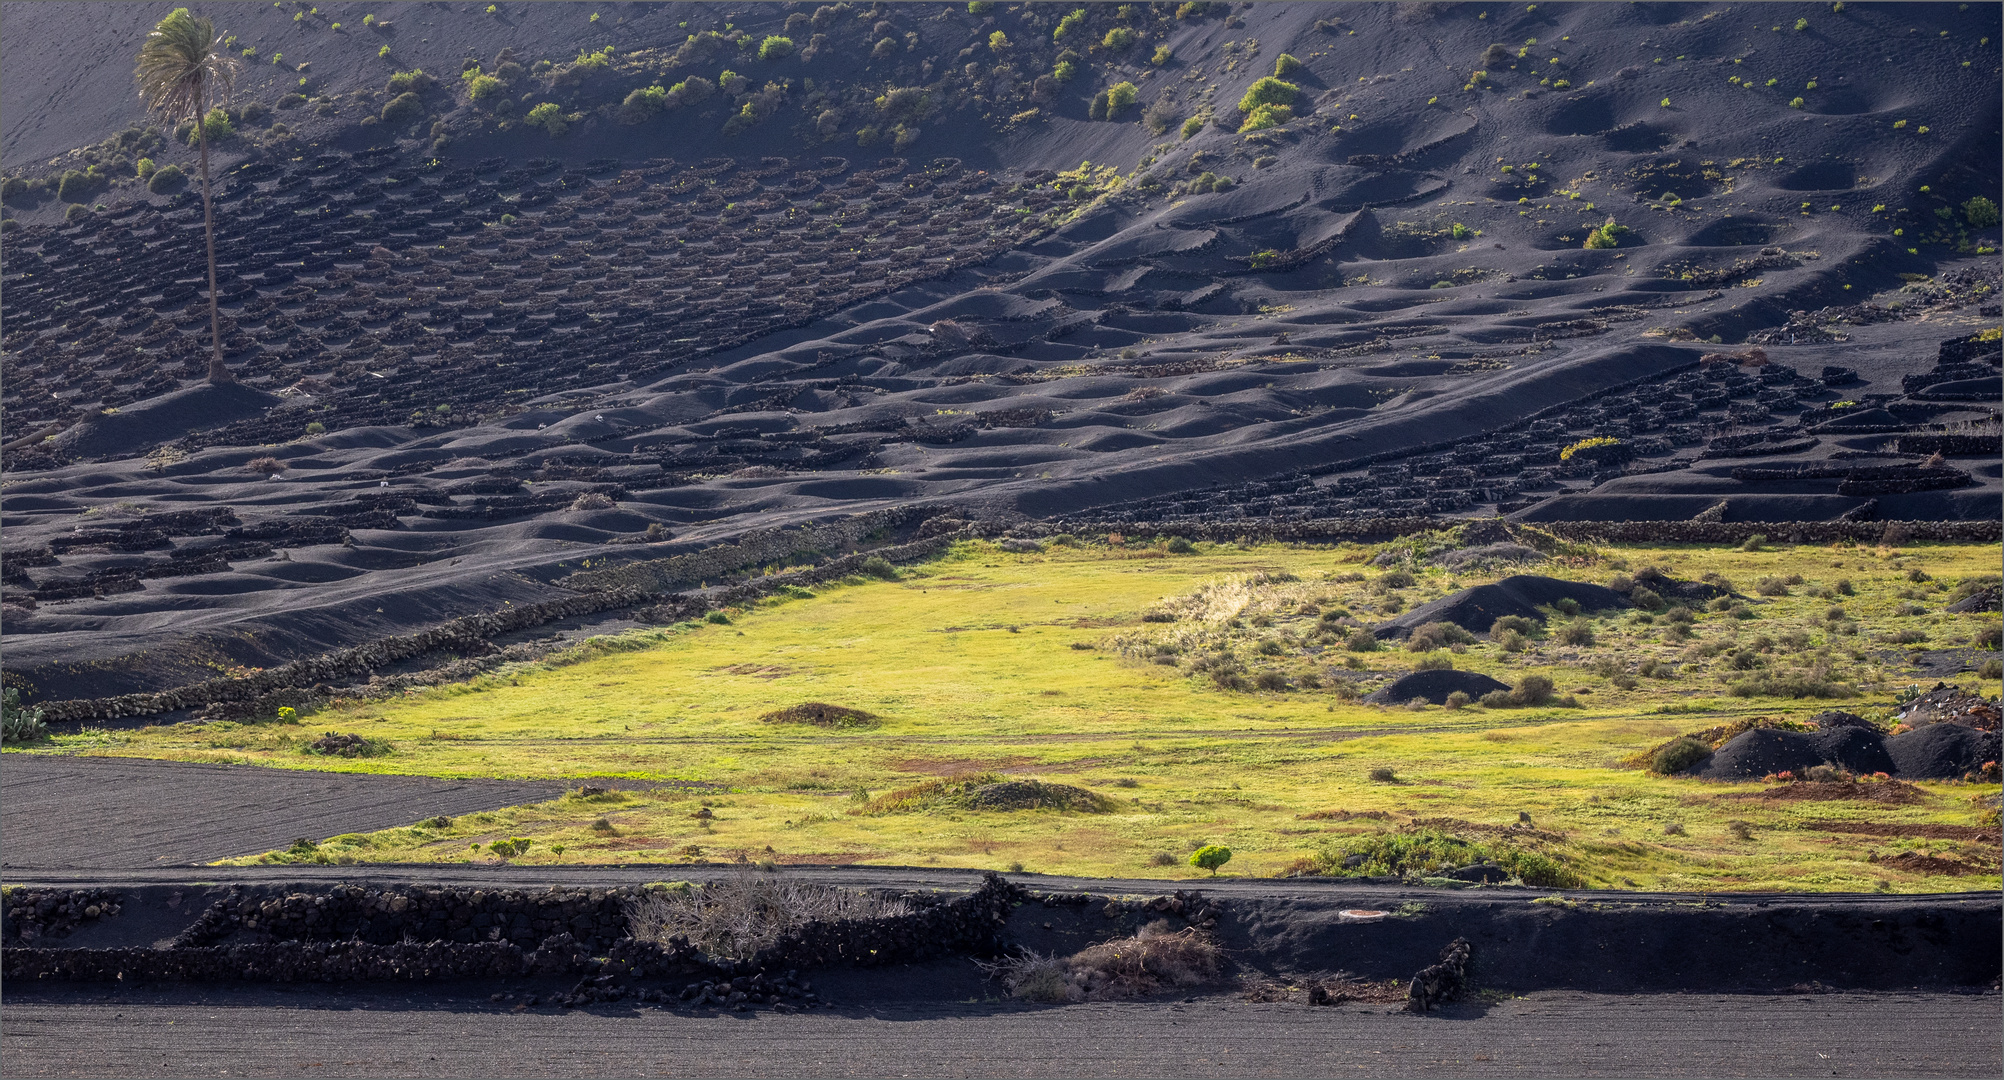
1162	55
717	618
877	566
165	179
775	48
484	88
1268	91
1458	700
1119	96
550	117
1678	755
1606	236
1266	116
1980	212
1284	65
407	82
316	428
1518	623
403	109
1438	635
1179	546
1211	857
1361	640
1576	632
1118	38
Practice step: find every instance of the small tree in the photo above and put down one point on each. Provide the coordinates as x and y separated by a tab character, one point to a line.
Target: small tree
1210	857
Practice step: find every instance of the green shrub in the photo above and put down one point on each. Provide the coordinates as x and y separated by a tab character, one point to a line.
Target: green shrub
1458	700
316	428
18	723
1211	857
1517	623
1426	852
775	48
253	112
1284	65
1118	38
409	82
1434	661
1266	116
290	101
1069	24
1606	236
1179	546
143	167
642	104
1980	212
717	618
1438	635
403	109
1268	91
1119	96
1646	599
549	116
1576	632
1361	640
1065	70
1162	55
513	847
216	124
482	88
1678	755
75	186
877	566
691	91
1790	685
165	179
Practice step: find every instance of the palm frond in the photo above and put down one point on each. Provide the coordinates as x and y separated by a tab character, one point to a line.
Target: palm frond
183	66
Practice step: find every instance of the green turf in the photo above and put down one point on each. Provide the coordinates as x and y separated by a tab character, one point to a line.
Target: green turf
1041	665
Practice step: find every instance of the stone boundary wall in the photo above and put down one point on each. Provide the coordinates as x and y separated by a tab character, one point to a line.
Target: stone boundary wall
599	591
1364	529
353	934
646	584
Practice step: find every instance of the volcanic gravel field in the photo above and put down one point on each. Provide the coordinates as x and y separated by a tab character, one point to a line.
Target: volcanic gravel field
663	352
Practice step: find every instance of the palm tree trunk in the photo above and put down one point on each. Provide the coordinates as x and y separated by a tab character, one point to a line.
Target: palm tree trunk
218	373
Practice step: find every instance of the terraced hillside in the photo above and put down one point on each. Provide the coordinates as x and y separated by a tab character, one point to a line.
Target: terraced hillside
935	258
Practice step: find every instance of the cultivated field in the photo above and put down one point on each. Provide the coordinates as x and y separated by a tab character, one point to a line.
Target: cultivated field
1142	703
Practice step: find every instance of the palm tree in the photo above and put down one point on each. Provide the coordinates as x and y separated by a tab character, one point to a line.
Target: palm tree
182	68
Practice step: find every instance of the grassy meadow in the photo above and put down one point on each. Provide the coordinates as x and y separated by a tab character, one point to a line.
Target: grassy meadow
1203	697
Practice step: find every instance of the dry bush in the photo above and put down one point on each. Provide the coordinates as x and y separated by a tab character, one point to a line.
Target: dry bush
739	915
265	466
1154	959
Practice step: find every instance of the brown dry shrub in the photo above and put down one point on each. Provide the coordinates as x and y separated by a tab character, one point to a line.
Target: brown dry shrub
1154	959
265	466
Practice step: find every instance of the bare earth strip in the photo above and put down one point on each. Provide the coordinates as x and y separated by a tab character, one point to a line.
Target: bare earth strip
123	813
315	1032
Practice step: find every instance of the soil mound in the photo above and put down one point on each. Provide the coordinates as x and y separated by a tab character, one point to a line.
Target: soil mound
1890	792
1477	609
1036	795
140	427
821	714
1832	719
1434	686
1940	751
1489	555
1766	751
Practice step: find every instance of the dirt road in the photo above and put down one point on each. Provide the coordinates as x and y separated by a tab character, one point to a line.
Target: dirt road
320	1032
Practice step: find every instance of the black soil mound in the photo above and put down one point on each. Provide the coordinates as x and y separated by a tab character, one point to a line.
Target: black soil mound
1434	686
1987	600
1940	751
1765	751
164	419
1833	719
1934	752
1477	609
1036	795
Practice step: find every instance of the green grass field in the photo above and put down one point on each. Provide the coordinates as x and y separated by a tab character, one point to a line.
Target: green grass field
1042	666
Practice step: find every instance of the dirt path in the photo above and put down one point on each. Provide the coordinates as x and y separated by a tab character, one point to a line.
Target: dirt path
78	813
318	1032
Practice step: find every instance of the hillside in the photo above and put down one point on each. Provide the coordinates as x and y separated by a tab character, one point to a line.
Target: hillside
914	261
